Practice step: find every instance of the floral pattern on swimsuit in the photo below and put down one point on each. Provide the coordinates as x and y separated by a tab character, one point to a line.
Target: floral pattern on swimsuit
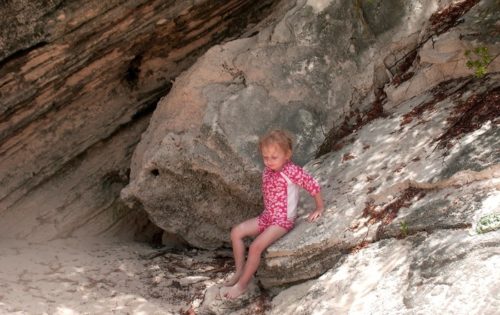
274	191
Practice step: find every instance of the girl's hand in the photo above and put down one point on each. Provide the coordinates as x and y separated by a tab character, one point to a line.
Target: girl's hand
315	215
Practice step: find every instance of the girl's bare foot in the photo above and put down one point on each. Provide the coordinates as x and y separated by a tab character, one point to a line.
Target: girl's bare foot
223	291
232	292
232	280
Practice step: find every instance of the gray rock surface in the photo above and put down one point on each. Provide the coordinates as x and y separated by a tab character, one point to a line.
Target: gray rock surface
196	170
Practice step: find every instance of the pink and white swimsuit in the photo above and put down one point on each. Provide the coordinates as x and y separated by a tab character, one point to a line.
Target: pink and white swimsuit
281	195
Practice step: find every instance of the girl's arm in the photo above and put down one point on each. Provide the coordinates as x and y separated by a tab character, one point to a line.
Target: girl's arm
319	208
302	178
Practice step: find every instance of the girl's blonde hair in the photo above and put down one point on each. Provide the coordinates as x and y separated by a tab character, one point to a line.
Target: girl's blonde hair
278	137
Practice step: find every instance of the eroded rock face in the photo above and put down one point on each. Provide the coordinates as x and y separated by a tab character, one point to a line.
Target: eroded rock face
78	82
196	170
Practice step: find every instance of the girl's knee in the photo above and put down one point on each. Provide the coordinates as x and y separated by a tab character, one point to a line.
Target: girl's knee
244	229
237	232
256	249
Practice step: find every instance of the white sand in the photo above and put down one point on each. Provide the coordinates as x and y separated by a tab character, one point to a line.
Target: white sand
96	277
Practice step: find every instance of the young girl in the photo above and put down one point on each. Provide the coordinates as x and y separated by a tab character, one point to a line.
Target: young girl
281	180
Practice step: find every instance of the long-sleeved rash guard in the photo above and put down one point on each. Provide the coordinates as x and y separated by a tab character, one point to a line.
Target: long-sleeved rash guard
281	194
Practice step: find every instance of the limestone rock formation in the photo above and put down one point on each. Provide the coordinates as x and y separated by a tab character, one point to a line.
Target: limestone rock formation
449	272
401	135
78	83
196	170
406	177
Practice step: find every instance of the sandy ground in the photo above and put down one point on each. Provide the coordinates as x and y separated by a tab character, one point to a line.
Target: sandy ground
96	276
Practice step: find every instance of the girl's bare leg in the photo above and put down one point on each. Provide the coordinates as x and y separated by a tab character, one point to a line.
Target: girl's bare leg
263	241
246	228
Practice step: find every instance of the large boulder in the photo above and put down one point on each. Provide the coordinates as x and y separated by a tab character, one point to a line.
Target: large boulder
78	83
197	169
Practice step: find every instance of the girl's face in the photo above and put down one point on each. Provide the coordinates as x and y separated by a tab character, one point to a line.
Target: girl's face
275	157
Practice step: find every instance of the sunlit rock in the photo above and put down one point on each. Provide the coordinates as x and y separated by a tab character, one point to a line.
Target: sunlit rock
449	272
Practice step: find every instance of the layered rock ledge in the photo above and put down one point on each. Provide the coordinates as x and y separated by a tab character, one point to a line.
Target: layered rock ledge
78	83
